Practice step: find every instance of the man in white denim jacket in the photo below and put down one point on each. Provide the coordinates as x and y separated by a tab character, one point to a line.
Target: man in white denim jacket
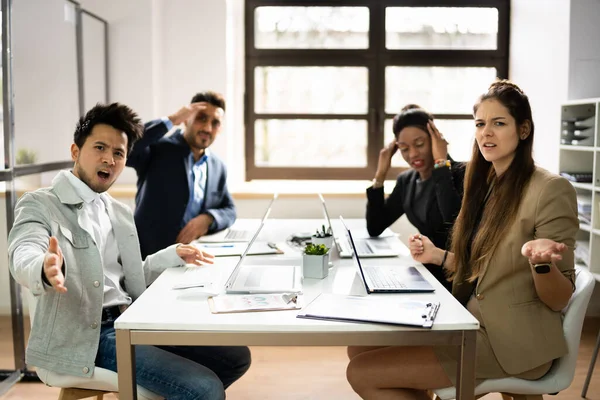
77	250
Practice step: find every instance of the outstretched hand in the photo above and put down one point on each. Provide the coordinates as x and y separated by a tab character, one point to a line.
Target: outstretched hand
53	262
543	251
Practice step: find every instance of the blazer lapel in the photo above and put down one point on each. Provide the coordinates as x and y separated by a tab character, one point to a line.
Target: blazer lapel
408	200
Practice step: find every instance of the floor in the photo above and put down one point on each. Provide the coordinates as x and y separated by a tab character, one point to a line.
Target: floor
301	373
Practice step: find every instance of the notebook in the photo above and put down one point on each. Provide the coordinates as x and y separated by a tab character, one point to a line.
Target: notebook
394	311
263	278
236	235
388	279
367	247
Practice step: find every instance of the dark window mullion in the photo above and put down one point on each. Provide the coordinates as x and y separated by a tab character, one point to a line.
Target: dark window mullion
308	116
277	59
441	116
376	87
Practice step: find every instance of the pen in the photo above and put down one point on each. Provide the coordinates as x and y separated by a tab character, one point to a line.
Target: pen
218	245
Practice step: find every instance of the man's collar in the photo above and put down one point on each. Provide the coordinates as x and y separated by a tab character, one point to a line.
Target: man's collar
83	191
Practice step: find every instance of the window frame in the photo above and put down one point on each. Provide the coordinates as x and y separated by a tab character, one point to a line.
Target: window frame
375	58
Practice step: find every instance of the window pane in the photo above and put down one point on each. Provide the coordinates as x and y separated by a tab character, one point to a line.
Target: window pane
323	90
447	28
459	133
310	143
447	90
311	28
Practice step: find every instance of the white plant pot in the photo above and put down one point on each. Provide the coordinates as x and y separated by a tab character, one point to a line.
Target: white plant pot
316	267
327	241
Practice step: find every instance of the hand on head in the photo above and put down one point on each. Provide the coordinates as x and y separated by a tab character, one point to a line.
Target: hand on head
186	111
193	255
53	262
543	251
385	159
439	145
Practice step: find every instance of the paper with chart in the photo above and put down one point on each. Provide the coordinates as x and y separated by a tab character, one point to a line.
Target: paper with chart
254	302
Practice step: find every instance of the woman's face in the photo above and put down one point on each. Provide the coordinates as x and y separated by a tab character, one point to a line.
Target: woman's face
496	133
414	145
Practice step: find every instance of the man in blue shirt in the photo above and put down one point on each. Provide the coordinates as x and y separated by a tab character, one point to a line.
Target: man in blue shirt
182	186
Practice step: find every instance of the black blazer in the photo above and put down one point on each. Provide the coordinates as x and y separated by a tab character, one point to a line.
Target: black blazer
163	192
442	209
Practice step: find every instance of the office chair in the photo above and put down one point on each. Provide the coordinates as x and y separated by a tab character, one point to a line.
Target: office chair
562	371
591	367
102	382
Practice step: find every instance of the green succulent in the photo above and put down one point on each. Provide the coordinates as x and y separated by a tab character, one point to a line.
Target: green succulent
315	249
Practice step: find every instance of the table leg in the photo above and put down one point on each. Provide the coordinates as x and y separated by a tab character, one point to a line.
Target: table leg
465	375
126	365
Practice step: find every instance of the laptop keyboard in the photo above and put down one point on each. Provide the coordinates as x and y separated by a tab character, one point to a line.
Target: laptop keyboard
233	234
383	279
362	247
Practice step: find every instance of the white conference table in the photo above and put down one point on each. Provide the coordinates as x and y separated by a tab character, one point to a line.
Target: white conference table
164	316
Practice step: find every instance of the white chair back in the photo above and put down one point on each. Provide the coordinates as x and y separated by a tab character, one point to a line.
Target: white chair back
102	379
562	371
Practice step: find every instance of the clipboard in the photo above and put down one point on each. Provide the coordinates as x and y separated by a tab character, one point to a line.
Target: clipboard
235	303
395	311
225	249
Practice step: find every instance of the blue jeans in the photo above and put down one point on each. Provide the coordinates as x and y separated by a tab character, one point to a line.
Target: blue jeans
179	372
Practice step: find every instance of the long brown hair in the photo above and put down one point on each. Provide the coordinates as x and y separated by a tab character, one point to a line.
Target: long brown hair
505	191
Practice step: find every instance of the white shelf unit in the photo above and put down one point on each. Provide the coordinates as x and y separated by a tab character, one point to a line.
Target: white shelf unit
584	156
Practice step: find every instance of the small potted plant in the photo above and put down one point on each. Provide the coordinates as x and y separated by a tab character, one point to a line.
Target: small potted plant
28	182
323	236
315	261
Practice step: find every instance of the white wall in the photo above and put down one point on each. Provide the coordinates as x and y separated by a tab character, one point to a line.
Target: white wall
584	58
539	61
45	78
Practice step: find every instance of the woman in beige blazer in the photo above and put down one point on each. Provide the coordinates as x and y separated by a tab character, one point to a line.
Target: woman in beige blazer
511	263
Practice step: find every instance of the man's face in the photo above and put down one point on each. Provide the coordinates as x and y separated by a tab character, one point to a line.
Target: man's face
202	128
100	161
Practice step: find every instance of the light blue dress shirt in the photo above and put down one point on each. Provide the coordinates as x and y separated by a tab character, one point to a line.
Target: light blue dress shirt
196	174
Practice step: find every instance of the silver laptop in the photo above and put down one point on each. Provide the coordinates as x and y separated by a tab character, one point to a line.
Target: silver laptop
367	247
236	235
388	279
263	278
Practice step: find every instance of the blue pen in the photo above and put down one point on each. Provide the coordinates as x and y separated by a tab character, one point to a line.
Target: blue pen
218	245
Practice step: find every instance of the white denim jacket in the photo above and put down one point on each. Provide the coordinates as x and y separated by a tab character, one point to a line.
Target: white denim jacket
66	329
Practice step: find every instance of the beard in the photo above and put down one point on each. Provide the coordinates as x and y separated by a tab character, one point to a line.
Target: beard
98	187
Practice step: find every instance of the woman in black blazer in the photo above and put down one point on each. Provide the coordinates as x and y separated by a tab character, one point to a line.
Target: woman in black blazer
430	193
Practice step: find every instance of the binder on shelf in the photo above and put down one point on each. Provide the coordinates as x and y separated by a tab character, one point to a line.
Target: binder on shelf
383	310
581	177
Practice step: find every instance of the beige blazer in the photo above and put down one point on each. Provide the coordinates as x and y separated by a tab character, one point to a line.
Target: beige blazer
523	332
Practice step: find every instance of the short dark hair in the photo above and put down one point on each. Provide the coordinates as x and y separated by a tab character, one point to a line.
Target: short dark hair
411	115
117	115
214	98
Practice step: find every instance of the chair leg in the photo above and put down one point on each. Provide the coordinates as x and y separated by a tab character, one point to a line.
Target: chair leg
77	394
591	367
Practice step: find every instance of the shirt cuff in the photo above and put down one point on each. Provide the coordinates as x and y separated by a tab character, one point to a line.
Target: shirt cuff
167	123
213	225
